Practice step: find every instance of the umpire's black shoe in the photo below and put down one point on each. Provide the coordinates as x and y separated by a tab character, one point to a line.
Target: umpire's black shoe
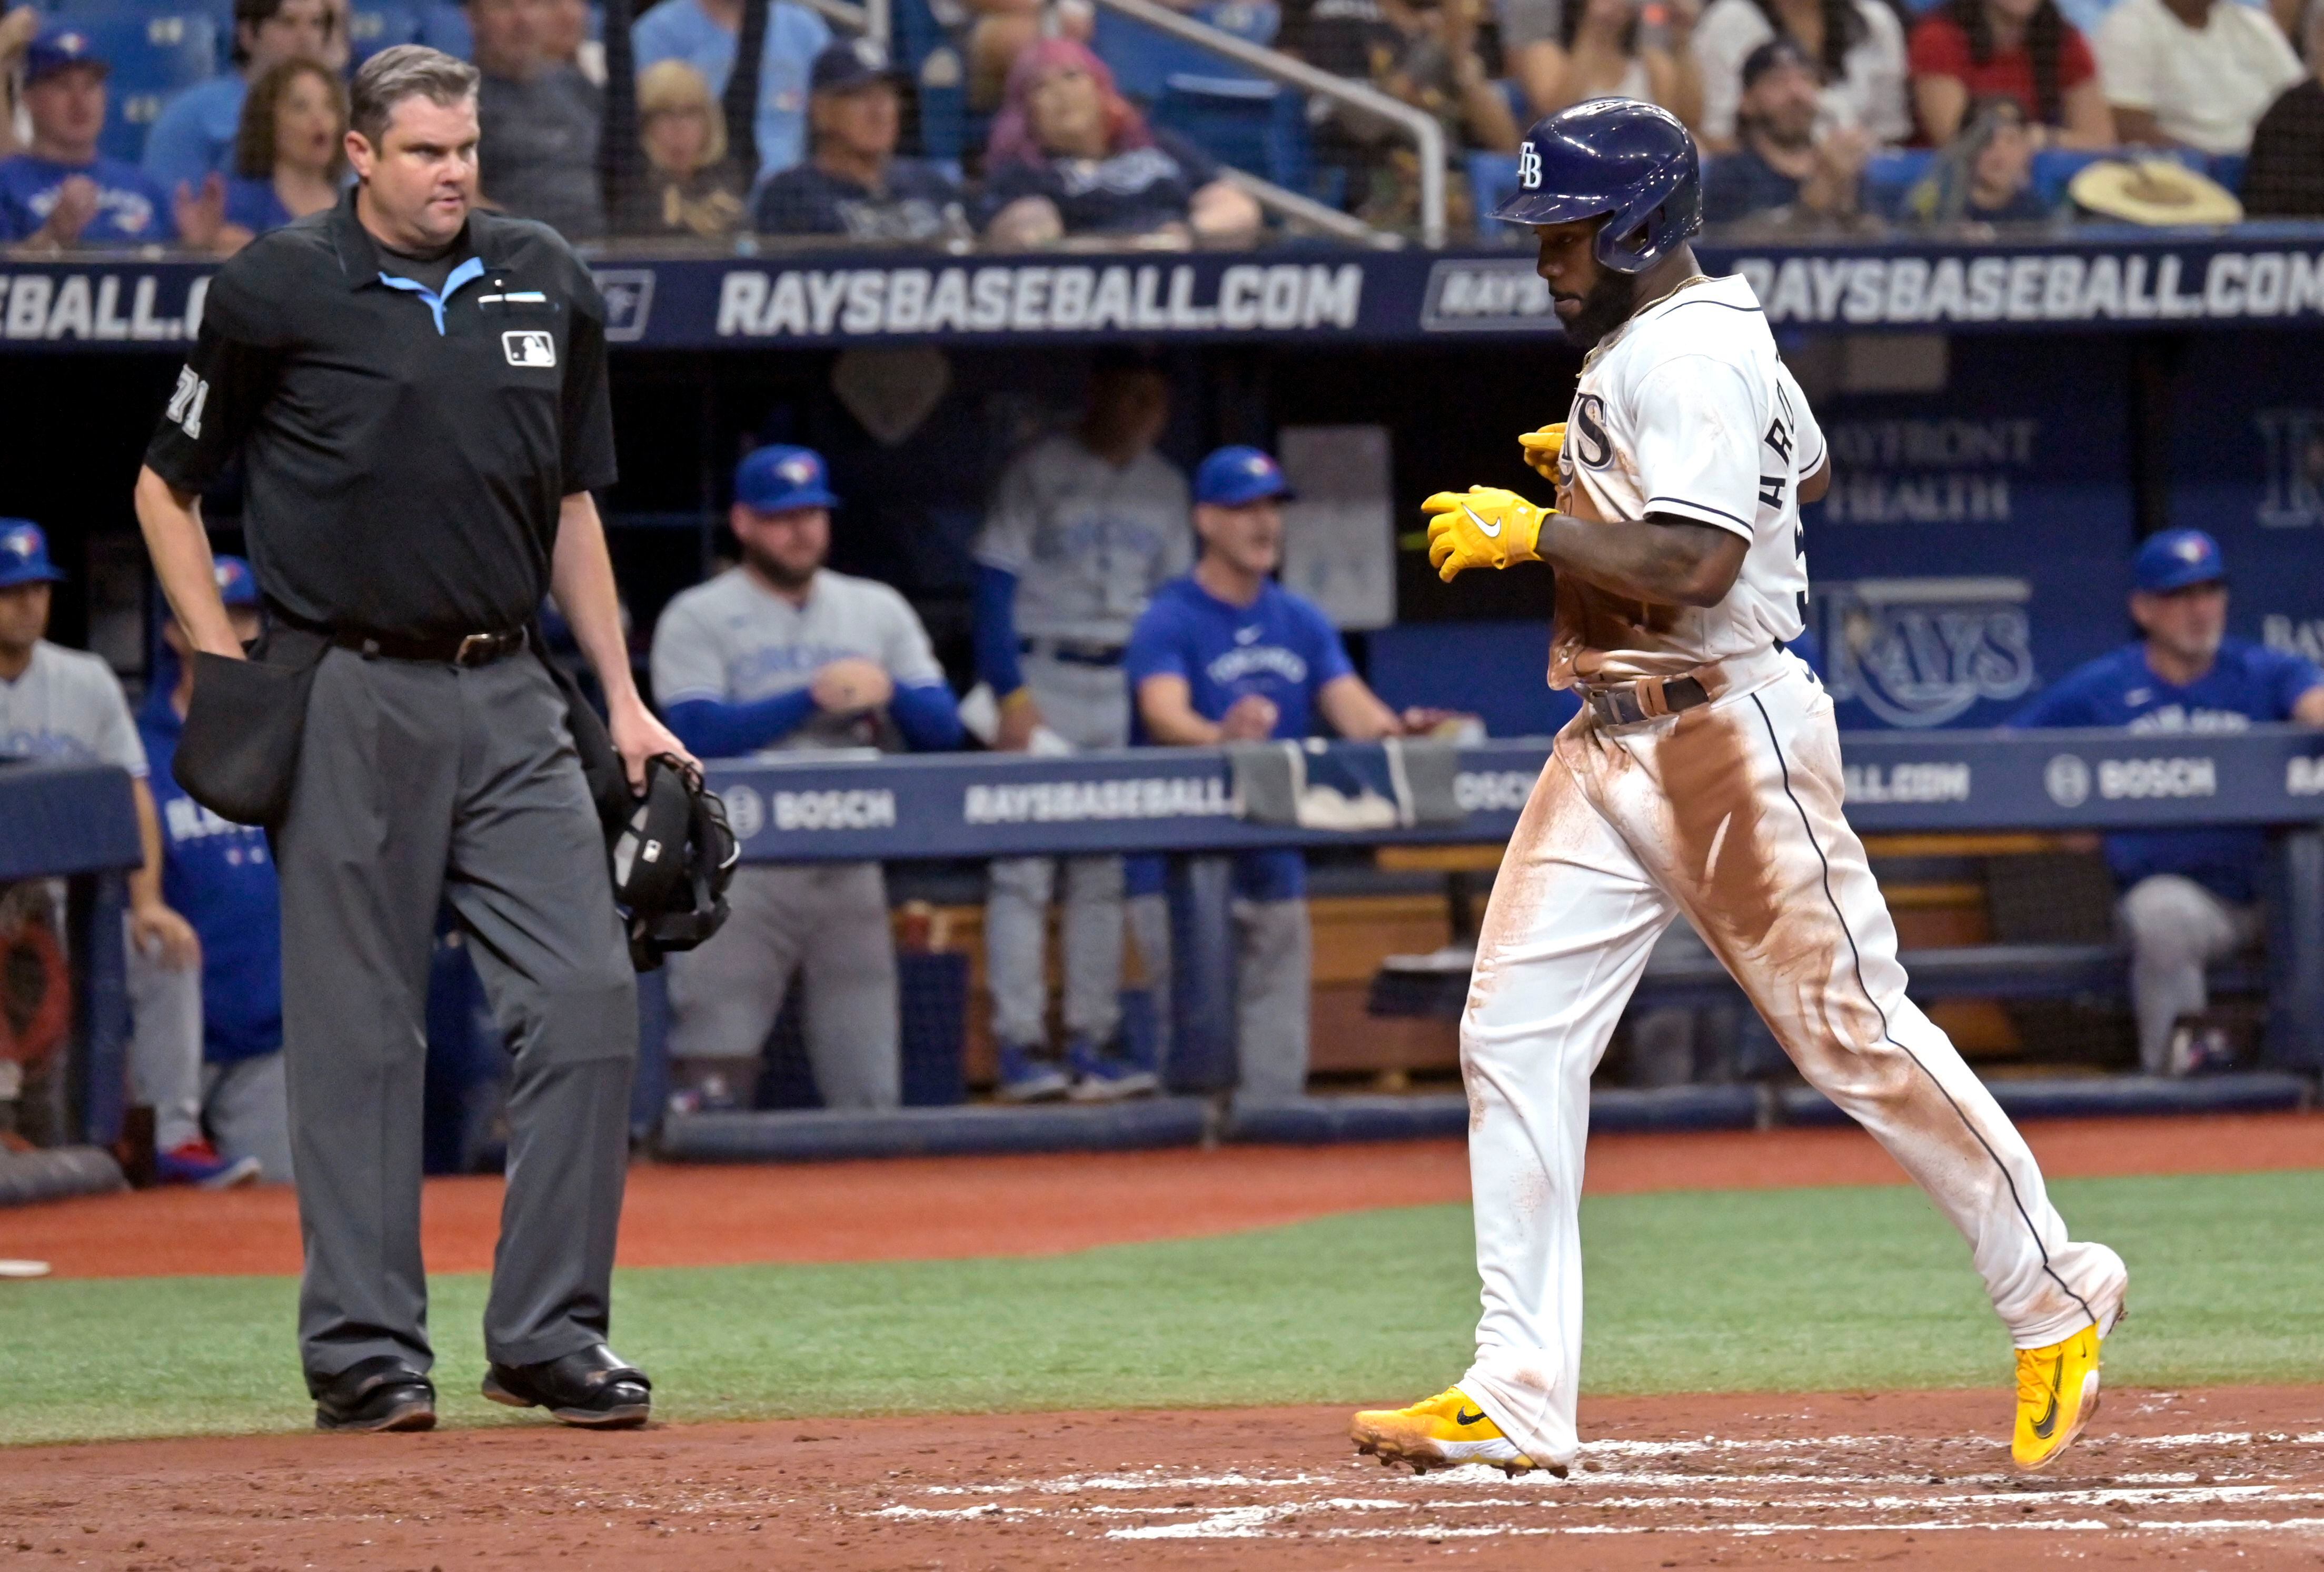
380	1393
592	1388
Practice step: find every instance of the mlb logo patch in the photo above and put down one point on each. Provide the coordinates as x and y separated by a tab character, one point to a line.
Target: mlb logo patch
531	349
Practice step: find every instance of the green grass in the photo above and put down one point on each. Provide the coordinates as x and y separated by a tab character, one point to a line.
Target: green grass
1738	1291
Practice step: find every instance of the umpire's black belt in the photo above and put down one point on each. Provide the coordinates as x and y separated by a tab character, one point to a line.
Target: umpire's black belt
1644	699
1073	651
440	649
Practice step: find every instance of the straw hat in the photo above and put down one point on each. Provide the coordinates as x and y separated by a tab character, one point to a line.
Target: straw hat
2153	192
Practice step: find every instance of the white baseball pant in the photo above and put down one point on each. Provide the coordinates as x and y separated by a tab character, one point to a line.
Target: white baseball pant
1729	812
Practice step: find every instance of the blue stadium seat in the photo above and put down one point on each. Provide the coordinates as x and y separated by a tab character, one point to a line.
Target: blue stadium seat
2227	169
444	26
1257	126
377	25
1144	58
1889	179
1493	178
942	94
154	54
915	32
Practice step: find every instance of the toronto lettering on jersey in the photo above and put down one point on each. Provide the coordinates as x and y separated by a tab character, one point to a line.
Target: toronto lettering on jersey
1036	297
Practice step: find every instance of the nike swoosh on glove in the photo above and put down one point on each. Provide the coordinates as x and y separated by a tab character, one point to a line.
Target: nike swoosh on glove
1482	527
1542	447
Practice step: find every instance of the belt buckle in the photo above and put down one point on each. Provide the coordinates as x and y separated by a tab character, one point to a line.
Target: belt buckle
476	649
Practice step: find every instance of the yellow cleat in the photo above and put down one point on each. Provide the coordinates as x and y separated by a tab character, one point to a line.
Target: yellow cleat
1443	1432
2057	1394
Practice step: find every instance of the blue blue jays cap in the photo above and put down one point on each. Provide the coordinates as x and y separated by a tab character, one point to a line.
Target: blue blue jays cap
1233	476
774	480
24	555
237	585
59	46
2176	558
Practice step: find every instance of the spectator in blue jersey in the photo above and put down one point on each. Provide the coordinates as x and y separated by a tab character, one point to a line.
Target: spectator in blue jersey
703	33
1222	654
290	157
219	876
781	655
853	183
196	131
1070	155
2188	895
63	195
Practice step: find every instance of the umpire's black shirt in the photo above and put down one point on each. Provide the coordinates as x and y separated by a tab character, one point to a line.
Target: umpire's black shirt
406	449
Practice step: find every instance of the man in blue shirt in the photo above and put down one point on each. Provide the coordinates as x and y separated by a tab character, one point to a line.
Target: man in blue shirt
853	183
703	33
220	876
195	134
63	195
2188	894
1224	654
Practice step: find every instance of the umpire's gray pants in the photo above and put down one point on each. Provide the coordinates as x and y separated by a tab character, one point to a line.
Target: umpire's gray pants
829	925
419	783
1089	707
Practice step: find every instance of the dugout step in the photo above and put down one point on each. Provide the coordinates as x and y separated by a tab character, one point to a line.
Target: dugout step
819	1134
1319	1120
2255	1092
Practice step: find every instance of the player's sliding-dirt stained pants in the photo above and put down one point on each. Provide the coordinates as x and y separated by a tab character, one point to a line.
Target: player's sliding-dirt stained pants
1730	812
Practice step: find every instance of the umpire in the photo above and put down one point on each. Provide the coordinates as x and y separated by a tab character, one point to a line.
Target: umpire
418	391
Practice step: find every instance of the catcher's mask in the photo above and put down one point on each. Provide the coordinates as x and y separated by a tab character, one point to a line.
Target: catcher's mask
672	861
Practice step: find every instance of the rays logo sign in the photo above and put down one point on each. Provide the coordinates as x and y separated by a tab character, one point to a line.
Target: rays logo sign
1920	652
1528	166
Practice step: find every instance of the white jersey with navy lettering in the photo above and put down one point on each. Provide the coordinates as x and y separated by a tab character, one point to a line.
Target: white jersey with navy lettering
1687	412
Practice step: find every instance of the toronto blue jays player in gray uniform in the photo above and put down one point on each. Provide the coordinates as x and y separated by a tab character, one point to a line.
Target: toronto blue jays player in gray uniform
777	654
1085	526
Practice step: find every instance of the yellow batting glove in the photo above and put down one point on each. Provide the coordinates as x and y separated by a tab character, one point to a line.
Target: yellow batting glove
1482	527
1542	447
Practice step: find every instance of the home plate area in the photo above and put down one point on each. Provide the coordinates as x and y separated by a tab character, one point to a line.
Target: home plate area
2142	1488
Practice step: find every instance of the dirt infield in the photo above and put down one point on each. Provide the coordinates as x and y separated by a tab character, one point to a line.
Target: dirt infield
949	1208
2225	1477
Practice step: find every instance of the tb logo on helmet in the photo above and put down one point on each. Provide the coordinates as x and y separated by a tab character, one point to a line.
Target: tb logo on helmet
1528	167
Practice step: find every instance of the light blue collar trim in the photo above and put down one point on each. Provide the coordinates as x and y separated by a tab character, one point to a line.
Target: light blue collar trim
467	272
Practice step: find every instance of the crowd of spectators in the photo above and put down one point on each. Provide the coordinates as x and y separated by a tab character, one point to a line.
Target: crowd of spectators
654	133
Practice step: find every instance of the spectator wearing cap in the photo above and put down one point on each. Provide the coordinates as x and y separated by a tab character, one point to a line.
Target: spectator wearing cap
540	121
691	185
705	34
1783	165
2188	895
1964	50
67	706
1225	654
221	876
1070	155
853	183
1857	47
781	654
61	194
196	132
2192	73
2285	175
1987	175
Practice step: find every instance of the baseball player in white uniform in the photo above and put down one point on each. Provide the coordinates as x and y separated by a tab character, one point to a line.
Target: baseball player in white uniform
1085	527
1702	777
779	653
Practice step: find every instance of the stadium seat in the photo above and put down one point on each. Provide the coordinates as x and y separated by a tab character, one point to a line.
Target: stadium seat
1889	179
2227	169
377	25
1492	177
915	32
154	54
445	26
941	92
1260	127
1144	58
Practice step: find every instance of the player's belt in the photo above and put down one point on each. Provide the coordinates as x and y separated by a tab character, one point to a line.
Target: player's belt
1073	651
1644	699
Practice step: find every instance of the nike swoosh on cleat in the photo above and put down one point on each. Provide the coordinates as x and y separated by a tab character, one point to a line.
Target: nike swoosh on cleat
1490	531
2047	1424
1463	1417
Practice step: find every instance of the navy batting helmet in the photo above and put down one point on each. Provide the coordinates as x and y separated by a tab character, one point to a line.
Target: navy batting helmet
1630	162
